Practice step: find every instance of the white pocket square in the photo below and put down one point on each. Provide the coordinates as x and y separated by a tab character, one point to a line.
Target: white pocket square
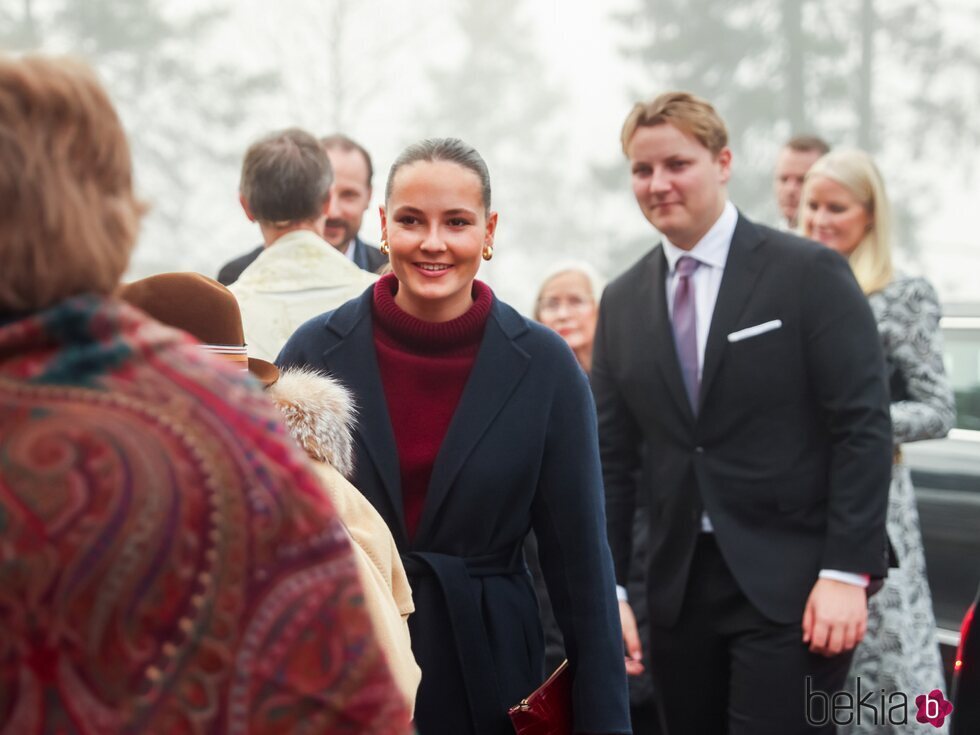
755	331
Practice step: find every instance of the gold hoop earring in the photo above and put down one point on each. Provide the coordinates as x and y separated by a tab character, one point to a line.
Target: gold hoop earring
487	251
385	247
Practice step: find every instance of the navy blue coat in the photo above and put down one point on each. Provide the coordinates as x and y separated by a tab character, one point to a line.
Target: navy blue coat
521	452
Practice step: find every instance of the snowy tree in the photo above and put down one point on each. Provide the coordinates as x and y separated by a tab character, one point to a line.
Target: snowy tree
182	115
778	67
497	96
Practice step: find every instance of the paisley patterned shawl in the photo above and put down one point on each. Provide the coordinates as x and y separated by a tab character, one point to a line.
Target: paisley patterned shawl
167	561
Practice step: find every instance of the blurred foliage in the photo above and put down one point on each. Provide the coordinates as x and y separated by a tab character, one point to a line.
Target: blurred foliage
494	96
175	107
774	68
18	28
900	77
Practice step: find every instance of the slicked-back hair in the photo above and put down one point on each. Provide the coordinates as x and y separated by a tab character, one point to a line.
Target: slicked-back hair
808	143
686	112
286	178
340	142
68	215
453	150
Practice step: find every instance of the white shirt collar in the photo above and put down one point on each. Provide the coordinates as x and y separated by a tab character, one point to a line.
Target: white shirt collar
350	249
712	249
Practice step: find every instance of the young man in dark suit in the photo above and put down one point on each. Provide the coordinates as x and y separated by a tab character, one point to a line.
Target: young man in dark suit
746	363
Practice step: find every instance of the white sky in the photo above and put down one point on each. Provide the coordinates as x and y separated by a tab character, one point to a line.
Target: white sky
391	44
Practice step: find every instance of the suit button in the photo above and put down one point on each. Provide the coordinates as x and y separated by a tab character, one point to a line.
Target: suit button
699	450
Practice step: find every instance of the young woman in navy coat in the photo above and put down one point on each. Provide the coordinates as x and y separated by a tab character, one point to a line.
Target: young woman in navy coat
475	425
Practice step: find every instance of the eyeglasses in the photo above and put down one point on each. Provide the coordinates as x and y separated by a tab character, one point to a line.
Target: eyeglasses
572	303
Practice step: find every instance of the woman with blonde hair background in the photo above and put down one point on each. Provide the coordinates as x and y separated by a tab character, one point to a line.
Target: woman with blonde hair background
169	563
845	207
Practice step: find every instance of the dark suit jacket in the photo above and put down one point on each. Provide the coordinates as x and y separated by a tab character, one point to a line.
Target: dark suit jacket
231	270
790	451
520	452
366	257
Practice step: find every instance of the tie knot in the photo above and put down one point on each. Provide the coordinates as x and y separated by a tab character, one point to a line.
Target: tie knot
686	265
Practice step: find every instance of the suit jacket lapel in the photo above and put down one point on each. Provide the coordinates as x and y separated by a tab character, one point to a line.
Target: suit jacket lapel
659	334
354	357
360	253
741	270
500	364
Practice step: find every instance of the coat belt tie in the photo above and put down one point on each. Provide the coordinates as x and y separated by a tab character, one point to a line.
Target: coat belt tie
473	653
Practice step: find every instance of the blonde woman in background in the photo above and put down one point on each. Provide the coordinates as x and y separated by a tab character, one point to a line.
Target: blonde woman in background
844	206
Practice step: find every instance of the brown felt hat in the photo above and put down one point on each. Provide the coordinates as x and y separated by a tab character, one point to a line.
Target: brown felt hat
202	307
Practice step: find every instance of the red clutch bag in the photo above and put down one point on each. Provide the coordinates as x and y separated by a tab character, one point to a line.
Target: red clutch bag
548	709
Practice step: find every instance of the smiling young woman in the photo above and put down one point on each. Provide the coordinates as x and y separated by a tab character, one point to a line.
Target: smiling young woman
437	230
475	426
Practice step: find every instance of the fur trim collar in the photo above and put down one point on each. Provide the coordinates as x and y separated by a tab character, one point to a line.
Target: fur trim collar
319	413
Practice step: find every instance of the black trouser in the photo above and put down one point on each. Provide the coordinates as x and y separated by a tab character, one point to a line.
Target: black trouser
725	668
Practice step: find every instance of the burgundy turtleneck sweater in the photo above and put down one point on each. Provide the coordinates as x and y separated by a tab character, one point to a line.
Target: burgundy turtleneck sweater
424	367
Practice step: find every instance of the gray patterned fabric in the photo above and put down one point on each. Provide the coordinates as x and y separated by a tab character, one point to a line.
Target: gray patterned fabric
900	652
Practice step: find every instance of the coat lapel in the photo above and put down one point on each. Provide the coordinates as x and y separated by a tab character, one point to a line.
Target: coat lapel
500	364
659	335
354	357
741	270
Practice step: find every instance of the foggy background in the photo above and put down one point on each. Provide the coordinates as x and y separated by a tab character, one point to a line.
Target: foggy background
541	88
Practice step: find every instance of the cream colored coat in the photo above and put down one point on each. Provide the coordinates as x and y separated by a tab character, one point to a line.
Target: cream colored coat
319	413
294	279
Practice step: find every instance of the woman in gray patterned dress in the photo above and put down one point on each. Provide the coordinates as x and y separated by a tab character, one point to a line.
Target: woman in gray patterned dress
844	206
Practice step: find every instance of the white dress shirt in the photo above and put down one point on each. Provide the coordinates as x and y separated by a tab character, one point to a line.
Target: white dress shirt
350	249
711	251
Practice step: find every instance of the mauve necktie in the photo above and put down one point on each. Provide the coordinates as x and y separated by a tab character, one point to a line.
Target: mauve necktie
685	322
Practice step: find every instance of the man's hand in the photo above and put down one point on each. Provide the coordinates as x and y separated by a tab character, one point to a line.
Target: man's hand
835	617
631	637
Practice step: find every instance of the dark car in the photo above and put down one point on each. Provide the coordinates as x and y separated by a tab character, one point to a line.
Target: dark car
946	476
966	678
